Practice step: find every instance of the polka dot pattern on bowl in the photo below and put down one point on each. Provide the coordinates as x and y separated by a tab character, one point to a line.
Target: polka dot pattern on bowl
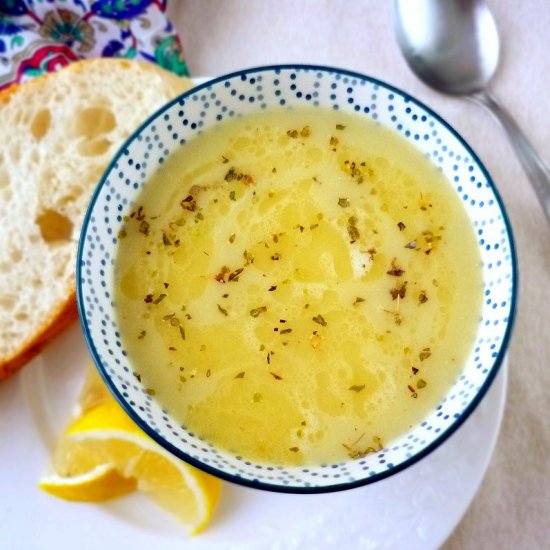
289	86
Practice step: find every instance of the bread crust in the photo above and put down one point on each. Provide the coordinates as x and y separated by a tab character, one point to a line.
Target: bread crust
57	323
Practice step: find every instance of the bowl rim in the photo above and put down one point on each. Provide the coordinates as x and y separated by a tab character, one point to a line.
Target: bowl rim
272	487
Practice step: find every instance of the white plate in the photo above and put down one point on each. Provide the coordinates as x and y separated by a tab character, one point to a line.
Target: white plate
417	508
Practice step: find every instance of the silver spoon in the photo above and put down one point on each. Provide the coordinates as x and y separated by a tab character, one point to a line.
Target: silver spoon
453	46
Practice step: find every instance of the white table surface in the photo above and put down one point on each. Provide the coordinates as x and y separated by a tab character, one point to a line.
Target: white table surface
512	508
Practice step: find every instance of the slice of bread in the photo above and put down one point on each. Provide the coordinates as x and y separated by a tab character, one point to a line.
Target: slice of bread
57	136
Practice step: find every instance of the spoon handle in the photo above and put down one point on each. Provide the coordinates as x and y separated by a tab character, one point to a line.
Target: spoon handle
535	168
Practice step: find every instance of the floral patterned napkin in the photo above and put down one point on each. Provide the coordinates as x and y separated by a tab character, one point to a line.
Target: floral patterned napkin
38	36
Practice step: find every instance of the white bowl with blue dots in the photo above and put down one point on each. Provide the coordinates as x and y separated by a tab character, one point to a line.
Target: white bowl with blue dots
249	91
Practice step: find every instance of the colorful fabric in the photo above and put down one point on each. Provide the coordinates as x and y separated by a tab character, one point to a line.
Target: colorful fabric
38	36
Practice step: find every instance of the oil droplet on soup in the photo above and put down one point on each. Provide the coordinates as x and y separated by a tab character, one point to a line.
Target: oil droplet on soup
298	286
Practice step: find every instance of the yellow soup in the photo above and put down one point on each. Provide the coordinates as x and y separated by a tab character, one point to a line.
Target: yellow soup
298	286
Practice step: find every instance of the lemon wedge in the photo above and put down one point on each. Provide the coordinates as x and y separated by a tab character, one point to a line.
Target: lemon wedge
103	454
99	484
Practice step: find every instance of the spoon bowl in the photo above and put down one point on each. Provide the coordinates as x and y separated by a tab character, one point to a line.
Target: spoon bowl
452	46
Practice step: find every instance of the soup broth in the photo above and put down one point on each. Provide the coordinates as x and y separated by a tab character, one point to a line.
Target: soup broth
298	286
